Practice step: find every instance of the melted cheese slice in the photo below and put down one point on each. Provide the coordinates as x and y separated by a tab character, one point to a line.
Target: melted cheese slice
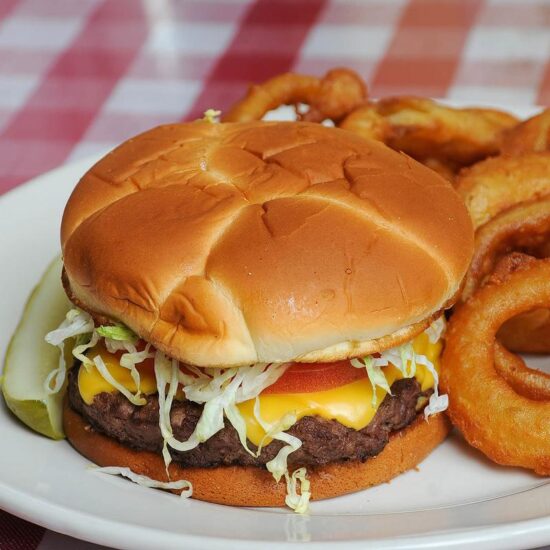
91	383
351	404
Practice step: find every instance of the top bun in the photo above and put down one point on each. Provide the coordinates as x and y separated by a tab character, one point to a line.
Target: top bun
231	244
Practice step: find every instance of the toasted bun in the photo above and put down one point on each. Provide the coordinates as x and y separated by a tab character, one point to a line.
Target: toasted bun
230	244
250	486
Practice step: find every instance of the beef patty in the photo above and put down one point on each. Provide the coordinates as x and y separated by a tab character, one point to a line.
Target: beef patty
323	441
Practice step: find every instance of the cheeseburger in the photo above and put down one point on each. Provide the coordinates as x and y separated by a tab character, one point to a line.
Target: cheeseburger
258	311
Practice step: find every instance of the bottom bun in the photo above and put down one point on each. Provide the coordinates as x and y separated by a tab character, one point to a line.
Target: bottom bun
252	486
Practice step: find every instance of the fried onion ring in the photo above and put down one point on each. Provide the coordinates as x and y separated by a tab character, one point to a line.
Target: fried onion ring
532	135
367	122
424	129
527	382
509	428
499	183
524	227
335	95
528	333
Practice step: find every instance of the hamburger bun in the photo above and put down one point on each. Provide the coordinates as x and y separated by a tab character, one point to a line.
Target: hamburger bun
253	486
232	244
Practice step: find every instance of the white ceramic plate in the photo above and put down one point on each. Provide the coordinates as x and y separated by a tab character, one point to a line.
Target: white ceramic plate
457	498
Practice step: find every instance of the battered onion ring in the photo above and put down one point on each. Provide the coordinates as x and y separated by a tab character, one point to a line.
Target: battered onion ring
499	183
509	428
525	226
368	123
338	93
527	382
532	135
528	332
424	129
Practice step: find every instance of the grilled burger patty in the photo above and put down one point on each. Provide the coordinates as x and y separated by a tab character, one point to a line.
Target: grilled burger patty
323	441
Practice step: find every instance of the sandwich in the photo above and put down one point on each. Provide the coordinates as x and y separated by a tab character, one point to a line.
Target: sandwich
258	311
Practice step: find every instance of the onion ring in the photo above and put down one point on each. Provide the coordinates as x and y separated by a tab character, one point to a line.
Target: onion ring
424	129
521	227
528	382
531	135
368	123
499	183
525	226
528	332
507	427
338	93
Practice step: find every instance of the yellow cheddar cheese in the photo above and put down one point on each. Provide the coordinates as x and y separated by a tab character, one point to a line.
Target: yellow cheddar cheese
351	404
91	383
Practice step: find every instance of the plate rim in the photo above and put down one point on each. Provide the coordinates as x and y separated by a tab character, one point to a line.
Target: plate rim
538	530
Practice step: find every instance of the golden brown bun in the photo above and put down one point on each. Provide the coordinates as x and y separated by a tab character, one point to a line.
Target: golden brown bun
250	486
230	244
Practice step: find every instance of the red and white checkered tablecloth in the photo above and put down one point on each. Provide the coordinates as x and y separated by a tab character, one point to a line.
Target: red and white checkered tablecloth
79	76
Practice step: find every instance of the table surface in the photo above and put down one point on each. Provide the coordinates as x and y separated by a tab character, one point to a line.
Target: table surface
80	76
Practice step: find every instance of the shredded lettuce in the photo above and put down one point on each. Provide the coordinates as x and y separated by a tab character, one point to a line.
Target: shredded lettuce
237	421
113	346
76	323
80	325
298	502
220	390
278	466
274	430
437	403
197	374
101	367
117	332
128	360
185	486
79	350
133	357
376	375
436	329
211	115
257	378
164	375
167	374
406	360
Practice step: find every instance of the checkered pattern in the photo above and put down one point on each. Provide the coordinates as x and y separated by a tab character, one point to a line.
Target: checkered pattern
79	76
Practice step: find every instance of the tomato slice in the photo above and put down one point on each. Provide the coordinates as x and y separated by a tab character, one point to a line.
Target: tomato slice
312	377
298	378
